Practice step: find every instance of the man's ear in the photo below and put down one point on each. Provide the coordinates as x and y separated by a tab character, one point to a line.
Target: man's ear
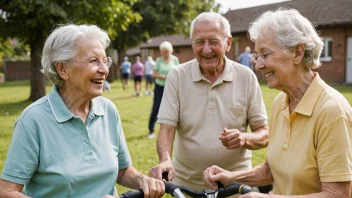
299	54
229	43
61	70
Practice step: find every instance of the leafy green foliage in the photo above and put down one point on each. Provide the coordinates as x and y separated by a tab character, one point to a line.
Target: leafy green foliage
33	20
161	17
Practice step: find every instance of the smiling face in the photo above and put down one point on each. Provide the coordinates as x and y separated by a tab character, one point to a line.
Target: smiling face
210	44
276	64
86	73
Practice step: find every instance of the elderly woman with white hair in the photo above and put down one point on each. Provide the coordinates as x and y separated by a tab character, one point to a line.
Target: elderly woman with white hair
163	65
70	143
310	131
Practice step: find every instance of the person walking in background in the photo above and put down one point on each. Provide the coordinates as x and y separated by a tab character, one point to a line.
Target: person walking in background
148	69
137	71
211	101
246	58
310	143
71	143
126	72
163	65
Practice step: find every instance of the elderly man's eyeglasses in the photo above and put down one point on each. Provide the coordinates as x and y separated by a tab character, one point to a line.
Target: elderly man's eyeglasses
107	61
212	41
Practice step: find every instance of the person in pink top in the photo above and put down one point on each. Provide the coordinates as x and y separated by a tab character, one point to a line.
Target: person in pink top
138	72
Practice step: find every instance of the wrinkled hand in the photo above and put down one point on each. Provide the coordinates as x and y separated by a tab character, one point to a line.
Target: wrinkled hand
254	195
151	187
157	170
232	138
215	174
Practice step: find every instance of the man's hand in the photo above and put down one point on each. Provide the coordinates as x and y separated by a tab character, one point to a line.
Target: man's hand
215	174
158	170
232	138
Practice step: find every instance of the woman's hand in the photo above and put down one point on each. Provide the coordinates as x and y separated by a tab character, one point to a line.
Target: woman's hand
215	174
151	187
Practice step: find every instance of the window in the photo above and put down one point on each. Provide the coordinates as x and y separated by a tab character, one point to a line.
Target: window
326	54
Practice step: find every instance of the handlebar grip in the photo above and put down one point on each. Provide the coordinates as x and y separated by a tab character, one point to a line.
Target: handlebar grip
244	189
133	194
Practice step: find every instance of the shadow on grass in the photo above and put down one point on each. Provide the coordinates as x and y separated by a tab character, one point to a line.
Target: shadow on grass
13	108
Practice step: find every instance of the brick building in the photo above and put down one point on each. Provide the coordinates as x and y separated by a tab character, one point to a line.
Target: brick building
332	17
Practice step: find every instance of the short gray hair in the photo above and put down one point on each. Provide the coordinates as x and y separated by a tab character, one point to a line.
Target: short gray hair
60	46
291	29
166	45
214	17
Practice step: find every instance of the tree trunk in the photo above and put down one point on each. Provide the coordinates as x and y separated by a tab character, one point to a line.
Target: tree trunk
37	77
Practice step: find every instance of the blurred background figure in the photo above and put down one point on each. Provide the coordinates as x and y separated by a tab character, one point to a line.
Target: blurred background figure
148	70
246	58
126	72
137	71
106	86
163	65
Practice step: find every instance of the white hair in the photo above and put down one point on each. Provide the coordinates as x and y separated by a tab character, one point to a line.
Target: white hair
212	17
60	46
290	29
166	45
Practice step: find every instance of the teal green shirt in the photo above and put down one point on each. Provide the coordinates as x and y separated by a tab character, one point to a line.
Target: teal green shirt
164	68
54	154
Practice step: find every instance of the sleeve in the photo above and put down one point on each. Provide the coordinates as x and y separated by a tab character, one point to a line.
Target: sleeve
23	156
334	156
169	110
124	157
256	108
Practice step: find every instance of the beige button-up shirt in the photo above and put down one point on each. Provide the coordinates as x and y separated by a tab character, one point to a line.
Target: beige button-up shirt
200	111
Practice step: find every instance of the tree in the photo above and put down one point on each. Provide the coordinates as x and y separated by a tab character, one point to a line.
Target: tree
160	18
32	20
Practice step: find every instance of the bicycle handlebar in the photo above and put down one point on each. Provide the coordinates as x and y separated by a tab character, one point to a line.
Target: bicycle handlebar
177	191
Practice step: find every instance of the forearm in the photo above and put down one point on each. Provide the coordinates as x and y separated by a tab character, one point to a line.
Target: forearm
258	176
11	190
129	177
165	142
259	138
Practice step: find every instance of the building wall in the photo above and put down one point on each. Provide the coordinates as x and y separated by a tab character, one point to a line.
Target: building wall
183	54
333	71
17	70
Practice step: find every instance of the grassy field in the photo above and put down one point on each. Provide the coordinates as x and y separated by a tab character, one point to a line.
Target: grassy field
134	113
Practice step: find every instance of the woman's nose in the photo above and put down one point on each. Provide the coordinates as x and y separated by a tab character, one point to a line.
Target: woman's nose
259	64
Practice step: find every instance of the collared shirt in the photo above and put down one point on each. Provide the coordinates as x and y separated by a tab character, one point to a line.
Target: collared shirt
54	154
201	110
164	68
312	144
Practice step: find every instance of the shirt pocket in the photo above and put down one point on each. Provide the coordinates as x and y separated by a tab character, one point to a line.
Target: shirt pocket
236	118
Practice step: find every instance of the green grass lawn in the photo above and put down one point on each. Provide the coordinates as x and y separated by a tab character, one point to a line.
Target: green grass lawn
134	112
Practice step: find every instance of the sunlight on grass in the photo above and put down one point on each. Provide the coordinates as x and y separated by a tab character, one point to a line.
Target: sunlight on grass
134	112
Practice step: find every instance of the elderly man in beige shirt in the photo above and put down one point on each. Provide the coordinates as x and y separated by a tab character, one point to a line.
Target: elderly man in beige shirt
209	101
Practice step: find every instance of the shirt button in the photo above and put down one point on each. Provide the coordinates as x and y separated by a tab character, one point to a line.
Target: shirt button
86	141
